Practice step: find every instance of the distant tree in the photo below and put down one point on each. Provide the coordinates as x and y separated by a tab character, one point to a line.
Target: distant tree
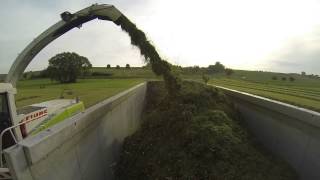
205	78
127	66
44	74
192	69
25	75
108	66
101	74
313	76
31	75
292	79
229	71
274	78
147	66
217	68
283	78
117	67
196	69
303	73
66	67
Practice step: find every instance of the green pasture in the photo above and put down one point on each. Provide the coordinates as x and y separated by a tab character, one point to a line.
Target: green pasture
104	82
90	91
303	93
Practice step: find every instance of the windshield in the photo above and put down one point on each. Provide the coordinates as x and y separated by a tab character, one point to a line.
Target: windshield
5	120
3	107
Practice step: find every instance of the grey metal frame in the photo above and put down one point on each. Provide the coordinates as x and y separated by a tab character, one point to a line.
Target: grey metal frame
102	11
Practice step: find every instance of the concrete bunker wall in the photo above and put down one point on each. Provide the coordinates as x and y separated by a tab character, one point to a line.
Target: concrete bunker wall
290	132
85	146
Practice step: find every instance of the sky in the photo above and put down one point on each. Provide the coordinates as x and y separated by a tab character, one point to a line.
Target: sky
269	35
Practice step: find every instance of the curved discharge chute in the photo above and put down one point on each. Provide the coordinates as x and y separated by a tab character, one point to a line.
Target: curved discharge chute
103	12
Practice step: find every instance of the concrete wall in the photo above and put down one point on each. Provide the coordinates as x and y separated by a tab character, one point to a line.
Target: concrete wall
292	133
84	147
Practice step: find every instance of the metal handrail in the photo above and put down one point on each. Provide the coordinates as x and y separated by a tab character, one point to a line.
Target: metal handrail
13	136
5	174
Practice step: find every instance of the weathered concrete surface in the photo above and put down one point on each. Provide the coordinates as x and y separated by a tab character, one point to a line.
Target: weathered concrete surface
291	132
84	147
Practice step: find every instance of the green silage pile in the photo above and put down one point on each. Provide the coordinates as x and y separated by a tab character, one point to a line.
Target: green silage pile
197	135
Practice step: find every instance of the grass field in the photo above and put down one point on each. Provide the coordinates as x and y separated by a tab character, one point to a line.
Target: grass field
90	91
304	91
301	93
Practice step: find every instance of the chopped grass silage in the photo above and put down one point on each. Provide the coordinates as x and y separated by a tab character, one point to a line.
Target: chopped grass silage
150	54
197	135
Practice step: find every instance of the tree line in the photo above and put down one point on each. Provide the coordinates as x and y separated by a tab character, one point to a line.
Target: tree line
67	67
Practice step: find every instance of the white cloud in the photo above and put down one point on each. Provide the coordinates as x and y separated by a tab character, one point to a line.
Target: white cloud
299	54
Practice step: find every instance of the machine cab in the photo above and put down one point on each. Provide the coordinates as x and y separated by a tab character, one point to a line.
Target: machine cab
5	119
7	115
4	111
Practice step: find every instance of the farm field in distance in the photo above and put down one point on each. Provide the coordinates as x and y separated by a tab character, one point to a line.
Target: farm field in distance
302	92
90	91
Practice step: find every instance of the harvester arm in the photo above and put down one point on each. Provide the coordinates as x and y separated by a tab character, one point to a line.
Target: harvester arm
68	22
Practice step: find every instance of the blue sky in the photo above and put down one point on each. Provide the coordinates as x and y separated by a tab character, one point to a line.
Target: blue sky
273	35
